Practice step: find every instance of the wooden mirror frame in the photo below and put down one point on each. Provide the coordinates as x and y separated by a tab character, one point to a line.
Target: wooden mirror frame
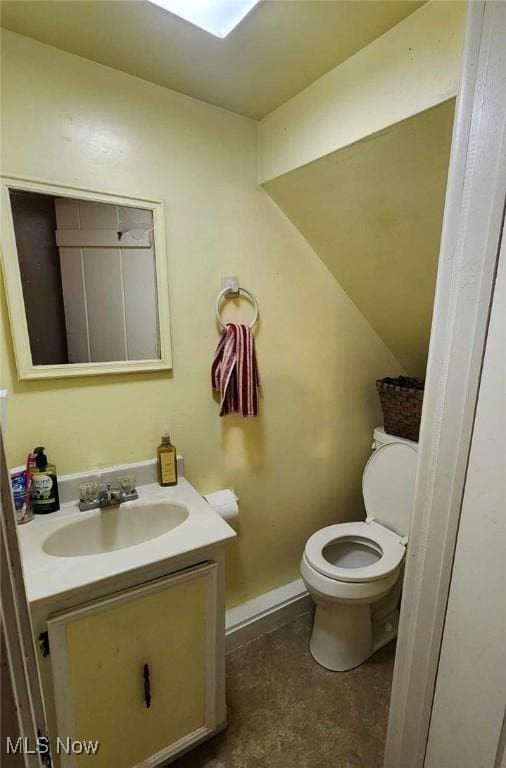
14	290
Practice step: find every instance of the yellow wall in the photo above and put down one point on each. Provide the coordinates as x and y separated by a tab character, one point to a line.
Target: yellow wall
373	213
407	70
296	467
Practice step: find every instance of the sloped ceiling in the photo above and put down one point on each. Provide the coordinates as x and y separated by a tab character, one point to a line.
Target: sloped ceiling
275	53
373	213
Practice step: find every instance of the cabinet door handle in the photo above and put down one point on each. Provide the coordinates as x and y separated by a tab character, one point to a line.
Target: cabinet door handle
147	686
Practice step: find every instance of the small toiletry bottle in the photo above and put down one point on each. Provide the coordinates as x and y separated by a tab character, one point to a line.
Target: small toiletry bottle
167	461
20	482
44	487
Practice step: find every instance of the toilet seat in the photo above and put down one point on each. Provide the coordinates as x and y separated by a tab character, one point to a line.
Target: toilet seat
353	571
379	538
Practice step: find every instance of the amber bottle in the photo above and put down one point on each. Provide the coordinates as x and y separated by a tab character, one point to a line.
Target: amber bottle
167	461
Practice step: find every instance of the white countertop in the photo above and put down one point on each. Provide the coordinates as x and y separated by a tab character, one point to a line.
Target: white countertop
48	576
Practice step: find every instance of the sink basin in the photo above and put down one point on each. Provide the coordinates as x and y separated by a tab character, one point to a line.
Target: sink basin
115	528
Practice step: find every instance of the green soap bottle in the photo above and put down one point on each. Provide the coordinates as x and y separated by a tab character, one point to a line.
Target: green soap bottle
44	487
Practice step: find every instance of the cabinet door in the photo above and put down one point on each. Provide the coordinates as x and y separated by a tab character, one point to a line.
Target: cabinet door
136	671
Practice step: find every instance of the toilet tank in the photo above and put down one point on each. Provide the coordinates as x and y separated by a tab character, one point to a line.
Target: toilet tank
380	437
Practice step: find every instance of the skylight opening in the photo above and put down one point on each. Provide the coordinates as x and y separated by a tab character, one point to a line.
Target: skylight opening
218	17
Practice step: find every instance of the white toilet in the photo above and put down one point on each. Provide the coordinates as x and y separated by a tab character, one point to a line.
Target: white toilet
353	570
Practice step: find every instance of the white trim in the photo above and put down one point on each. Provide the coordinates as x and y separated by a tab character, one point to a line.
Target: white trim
3	409
14	290
265	613
469	249
177	748
16	625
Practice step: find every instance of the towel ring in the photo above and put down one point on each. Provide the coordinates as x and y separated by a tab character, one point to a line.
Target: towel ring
223	293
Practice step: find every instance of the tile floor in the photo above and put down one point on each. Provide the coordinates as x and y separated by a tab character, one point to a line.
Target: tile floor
285	711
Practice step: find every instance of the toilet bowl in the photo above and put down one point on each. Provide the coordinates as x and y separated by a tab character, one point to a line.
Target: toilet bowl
353	570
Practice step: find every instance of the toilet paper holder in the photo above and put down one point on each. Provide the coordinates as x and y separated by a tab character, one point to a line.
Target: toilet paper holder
225	502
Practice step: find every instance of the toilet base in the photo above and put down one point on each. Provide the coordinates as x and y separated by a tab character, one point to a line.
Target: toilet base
344	636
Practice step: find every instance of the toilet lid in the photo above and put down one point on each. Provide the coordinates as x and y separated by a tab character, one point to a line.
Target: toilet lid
388	485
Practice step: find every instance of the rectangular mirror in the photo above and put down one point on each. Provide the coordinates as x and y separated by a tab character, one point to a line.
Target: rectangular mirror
86	281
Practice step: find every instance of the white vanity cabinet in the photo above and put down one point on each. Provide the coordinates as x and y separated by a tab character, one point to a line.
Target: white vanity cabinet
137	670
123	621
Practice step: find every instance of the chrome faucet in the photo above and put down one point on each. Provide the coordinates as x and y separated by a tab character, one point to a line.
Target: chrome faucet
109	497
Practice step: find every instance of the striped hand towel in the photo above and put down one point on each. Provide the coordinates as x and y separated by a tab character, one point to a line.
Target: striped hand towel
234	372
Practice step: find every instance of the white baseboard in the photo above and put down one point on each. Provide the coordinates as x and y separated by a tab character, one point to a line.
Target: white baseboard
265	613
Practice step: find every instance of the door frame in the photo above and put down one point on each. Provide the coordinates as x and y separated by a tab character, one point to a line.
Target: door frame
471	236
16	626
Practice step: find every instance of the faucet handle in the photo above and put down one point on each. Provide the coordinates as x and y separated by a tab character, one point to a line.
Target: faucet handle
127	484
109	493
88	492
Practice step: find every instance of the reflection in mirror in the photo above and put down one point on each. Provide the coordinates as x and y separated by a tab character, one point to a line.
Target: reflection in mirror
88	278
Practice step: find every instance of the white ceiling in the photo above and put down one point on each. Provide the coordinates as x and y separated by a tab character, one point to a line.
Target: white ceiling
281	47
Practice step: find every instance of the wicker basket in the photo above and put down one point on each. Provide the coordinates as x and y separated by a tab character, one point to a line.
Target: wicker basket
401	401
